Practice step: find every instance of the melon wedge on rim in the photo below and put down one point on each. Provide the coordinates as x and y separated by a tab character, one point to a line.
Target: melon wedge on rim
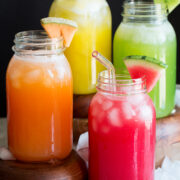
60	27
143	66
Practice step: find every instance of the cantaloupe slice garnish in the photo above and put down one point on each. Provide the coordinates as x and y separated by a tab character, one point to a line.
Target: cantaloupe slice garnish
60	27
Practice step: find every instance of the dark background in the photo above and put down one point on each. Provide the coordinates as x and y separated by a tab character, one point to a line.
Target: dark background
19	15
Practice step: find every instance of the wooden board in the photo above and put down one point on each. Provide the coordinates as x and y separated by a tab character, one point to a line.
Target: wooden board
73	168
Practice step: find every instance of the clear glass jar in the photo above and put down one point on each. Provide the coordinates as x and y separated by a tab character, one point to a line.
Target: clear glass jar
94	33
39	99
122	130
146	31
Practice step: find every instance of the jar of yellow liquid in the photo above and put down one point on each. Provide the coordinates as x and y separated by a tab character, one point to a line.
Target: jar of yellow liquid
94	33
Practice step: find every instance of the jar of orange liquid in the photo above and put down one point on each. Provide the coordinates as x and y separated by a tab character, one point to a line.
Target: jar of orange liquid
39	99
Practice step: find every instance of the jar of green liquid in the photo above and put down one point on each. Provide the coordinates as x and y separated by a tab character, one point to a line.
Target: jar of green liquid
145	30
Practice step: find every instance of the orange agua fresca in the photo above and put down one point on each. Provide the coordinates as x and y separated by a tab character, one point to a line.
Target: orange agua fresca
39	99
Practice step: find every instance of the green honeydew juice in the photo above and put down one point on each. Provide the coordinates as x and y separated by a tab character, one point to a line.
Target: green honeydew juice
146	31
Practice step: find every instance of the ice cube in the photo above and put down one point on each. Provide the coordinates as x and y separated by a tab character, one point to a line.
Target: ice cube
15	78
128	110
114	117
146	114
32	76
136	99
107	105
99	99
14	74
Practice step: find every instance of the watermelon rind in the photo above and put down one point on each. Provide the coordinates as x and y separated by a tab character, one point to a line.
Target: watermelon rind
146	61
54	20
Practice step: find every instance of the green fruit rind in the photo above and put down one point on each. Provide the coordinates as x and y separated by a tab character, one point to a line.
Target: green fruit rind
170	4
55	20
145	61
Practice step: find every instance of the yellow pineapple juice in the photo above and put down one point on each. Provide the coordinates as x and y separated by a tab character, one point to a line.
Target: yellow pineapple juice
94	32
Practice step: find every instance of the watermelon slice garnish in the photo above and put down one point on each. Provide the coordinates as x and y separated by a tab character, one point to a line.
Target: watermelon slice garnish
143	66
60	27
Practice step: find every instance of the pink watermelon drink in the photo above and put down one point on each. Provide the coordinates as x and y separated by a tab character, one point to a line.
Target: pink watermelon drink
121	131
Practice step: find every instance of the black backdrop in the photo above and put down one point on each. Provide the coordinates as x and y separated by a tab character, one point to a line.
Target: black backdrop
19	15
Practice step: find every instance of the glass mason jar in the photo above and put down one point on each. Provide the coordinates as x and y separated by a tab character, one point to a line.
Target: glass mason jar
122	122
146	31
94	33
39	99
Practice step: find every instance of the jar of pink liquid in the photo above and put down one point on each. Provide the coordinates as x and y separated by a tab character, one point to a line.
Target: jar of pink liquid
121	130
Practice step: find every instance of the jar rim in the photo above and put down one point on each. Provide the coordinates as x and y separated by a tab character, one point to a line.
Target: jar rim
36	36
144	9
37	42
122	85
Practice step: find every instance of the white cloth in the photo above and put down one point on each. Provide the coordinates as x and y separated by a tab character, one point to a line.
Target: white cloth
168	171
83	147
5	154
